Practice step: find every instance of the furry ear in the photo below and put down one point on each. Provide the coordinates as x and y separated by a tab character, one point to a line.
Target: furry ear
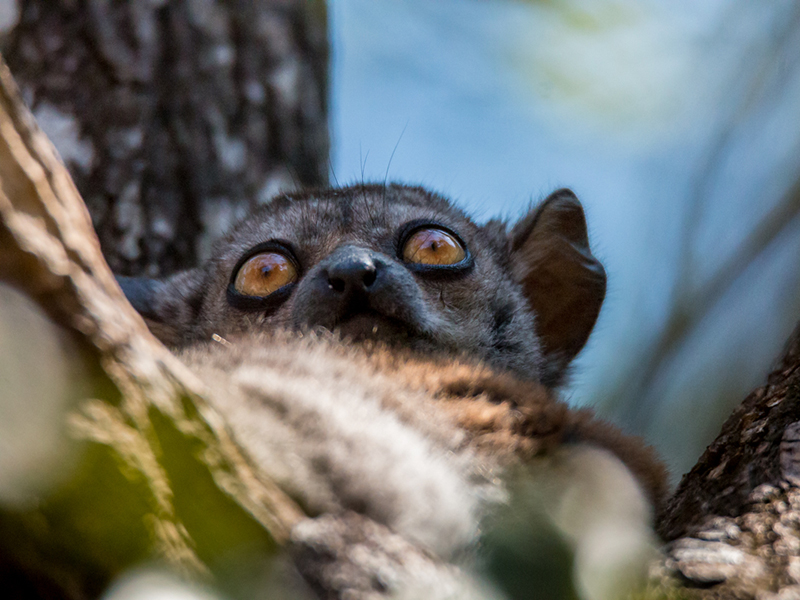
563	282
169	306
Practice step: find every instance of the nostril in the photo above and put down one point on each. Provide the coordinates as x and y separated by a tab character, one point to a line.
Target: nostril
369	276
337	284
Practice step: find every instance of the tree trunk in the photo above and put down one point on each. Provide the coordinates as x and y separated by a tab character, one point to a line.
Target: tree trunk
176	118
734	521
136	418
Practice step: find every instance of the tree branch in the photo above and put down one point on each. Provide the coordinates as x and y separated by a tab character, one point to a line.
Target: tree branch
148	400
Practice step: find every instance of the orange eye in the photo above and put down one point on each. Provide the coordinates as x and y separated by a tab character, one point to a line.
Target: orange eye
264	273
433	247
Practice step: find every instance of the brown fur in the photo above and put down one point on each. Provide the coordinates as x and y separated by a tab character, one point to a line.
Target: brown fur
505	415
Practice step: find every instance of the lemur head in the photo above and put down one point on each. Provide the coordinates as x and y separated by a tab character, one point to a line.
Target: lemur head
399	265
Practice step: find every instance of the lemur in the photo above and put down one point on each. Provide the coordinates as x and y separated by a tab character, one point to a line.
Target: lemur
387	359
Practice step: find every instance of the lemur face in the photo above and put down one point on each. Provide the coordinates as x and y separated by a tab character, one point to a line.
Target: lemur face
397	265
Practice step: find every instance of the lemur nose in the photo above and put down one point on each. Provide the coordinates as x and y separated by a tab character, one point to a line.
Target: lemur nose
352	274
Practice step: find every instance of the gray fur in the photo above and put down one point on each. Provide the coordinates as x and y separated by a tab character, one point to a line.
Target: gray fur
396	490
487	312
338	435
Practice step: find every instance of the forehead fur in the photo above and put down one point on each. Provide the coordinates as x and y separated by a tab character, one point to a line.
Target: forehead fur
366	212
391	194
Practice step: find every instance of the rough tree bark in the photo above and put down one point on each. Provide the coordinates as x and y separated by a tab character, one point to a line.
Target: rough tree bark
175	118
734	520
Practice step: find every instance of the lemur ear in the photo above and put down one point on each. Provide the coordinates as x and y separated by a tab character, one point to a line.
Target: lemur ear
169	306
563	282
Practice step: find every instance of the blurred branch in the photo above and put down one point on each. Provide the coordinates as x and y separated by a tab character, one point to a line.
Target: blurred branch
691	301
692	307
48	250
746	98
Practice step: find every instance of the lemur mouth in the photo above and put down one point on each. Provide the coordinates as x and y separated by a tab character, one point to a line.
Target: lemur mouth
371	325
